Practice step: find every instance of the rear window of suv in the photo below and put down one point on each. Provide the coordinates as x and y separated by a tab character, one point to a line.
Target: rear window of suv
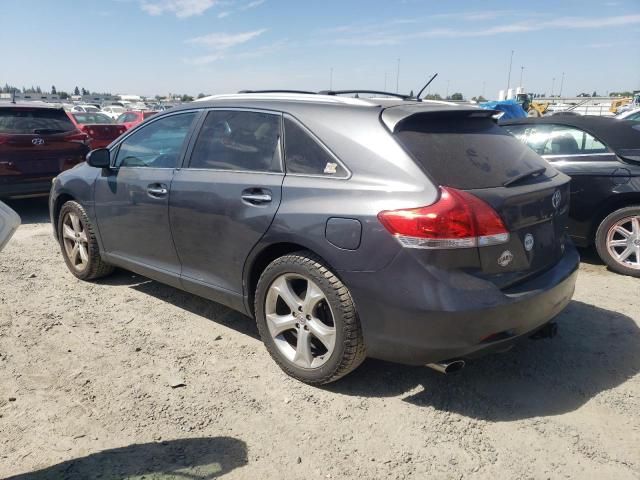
467	153
34	120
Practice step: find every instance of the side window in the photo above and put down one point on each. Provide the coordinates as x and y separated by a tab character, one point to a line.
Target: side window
121	118
304	155
157	145
572	141
238	140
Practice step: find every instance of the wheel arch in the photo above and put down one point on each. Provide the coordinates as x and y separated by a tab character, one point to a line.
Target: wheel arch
60	201
260	260
612	204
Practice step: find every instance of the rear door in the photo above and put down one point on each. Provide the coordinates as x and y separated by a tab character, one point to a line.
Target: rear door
472	153
132	199
36	144
225	198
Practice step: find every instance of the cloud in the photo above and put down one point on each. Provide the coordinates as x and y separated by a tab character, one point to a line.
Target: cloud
382	35
219	43
180	8
224	14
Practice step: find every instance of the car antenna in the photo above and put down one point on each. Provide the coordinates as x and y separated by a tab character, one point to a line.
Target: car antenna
425	87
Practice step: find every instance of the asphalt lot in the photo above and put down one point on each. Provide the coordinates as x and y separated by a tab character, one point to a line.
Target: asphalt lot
128	378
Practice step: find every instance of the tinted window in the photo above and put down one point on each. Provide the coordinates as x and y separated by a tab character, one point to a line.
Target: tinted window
157	145
550	139
236	140
34	120
121	118
466	153
304	155
86	118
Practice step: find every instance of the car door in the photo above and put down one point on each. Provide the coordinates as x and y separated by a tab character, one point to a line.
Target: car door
579	154
132	198
225	198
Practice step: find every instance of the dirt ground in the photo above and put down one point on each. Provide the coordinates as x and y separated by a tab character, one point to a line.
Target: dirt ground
88	376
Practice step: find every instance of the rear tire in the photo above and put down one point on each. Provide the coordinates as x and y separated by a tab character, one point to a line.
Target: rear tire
79	244
315	334
618	241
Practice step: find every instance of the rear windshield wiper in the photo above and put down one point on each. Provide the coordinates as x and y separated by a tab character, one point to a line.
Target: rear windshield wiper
46	131
532	173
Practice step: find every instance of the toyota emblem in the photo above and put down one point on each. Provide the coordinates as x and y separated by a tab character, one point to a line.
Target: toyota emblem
528	242
556	199
38	141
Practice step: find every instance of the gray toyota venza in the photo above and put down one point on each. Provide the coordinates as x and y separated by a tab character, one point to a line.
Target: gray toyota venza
411	231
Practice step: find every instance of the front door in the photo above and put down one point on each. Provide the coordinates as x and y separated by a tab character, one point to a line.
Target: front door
225	198
132	199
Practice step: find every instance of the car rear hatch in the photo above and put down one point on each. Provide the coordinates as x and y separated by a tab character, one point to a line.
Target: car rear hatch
37	143
101	131
464	149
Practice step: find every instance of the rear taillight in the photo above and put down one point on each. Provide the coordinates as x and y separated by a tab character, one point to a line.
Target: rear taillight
457	220
77	137
4	138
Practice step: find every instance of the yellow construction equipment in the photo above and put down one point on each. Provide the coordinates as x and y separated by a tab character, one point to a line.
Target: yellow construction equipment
619	102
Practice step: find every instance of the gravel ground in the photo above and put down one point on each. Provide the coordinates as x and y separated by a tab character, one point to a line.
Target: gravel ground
128	378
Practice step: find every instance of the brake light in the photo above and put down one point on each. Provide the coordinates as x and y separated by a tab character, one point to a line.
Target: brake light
4	138
77	137
457	220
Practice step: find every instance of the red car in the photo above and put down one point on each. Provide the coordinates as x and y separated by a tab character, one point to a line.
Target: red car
133	118
37	142
101	129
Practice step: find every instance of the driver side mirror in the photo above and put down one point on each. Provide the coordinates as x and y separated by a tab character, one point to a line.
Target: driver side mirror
99	158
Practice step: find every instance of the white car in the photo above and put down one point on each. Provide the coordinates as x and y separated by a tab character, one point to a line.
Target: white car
632	114
9	222
85	108
113	111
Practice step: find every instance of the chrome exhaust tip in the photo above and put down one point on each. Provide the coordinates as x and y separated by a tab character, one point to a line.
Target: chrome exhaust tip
447	367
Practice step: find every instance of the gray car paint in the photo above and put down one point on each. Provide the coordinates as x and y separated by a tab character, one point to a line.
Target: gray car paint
382	177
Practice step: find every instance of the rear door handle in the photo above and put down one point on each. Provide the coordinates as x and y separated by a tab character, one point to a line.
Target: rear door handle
256	197
157	190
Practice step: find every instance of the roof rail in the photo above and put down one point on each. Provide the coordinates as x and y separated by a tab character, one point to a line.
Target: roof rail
277	91
374	92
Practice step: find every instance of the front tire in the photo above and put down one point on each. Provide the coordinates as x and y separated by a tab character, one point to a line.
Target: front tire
79	244
308	320
618	241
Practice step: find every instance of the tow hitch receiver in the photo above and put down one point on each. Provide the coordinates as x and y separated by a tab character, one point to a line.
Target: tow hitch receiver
550	330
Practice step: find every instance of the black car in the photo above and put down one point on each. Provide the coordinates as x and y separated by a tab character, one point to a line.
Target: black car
602	155
37	142
348	227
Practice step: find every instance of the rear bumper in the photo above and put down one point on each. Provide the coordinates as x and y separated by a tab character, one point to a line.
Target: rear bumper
39	187
417	314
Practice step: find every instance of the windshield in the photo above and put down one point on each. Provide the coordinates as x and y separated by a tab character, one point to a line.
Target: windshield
86	118
34	120
468	153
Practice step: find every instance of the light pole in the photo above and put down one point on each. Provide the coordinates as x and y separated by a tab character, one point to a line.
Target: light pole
553	84
521	73
509	76
446	97
561	84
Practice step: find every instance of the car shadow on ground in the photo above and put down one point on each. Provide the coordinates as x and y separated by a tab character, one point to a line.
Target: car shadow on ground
191	303
189	458
31	210
595	350
590	255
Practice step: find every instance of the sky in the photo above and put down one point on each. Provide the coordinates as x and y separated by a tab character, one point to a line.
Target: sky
149	47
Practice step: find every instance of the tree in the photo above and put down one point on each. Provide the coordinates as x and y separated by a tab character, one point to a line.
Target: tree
63	95
38	89
53	90
76	91
594	94
186	98
433	96
457	96
479	99
84	92
201	95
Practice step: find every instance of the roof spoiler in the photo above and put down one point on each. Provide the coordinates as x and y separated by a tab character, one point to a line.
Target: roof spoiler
395	117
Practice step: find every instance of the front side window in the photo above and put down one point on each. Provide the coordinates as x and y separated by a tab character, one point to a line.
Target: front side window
304	155
157	145
238	140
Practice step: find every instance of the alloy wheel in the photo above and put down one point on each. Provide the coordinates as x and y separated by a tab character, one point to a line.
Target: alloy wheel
623	242
300	320
76	242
